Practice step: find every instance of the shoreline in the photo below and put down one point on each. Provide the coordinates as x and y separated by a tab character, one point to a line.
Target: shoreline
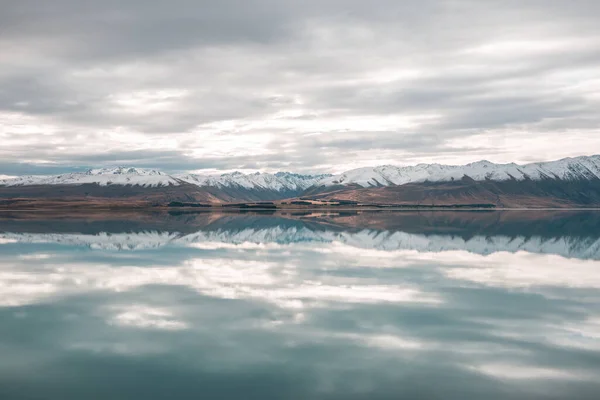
283	209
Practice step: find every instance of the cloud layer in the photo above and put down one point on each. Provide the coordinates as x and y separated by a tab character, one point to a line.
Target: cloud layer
307	86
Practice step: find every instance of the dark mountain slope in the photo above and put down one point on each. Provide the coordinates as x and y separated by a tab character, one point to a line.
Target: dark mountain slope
510	193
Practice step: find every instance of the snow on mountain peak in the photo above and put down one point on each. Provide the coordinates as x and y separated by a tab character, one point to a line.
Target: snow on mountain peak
290	184
124	171
100	176
384	175
280	181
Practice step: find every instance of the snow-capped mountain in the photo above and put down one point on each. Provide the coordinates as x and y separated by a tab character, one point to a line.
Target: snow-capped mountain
281	181
580	168
571	182
102	177
149	184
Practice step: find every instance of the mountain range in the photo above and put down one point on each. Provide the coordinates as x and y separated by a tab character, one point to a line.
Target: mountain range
564	183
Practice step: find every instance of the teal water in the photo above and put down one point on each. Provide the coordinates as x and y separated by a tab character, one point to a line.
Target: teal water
433	305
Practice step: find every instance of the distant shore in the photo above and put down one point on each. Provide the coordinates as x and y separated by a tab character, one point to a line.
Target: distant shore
292	205
160	209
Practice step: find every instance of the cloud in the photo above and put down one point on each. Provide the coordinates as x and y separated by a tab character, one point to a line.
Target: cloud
309	86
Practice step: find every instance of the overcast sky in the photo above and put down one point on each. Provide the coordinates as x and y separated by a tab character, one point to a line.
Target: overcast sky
311	85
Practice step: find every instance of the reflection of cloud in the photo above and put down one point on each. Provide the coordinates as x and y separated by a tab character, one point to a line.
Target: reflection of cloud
390	342
511	371
522	270
223	278
235	246
116	347
332	310
354	294
583	334
140	316
290	285
20	288
39	256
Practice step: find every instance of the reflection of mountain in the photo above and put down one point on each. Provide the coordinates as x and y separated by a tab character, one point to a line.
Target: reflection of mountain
567	234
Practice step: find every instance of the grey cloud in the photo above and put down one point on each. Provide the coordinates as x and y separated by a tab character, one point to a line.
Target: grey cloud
168	161
65	63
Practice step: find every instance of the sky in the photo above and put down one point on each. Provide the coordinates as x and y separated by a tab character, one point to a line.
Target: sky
304	86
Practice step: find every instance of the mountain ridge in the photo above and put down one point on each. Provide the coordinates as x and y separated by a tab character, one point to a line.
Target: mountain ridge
583	167
563	183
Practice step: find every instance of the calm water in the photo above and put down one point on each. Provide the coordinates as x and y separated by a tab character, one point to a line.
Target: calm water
439	305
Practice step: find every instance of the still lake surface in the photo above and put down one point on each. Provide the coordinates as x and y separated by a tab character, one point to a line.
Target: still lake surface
428	305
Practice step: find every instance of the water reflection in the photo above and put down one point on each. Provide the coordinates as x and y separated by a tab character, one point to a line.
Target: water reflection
384	305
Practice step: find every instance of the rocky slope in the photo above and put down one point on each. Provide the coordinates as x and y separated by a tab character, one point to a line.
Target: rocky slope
509	193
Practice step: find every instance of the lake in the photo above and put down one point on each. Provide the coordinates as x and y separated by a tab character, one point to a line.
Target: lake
307	305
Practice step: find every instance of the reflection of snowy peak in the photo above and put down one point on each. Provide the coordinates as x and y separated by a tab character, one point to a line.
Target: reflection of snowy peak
583	168
583	248
101	241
